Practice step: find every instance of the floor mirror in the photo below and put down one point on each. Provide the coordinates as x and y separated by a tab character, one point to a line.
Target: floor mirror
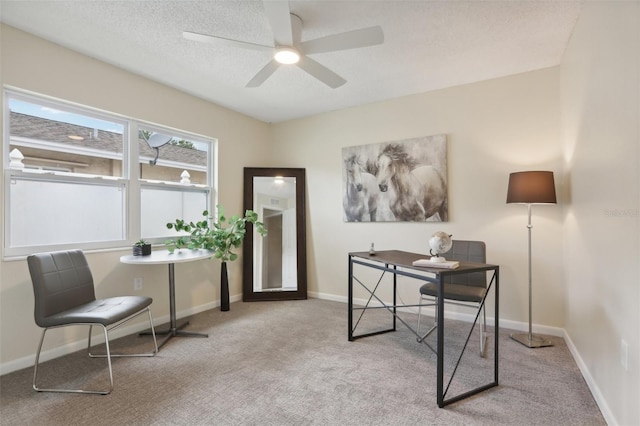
275	266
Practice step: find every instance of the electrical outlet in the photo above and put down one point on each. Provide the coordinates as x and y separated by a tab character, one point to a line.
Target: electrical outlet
137	284
624	354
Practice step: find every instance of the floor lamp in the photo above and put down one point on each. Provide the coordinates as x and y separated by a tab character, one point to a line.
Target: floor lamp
533	187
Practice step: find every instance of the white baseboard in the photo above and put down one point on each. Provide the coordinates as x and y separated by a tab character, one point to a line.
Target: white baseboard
593	387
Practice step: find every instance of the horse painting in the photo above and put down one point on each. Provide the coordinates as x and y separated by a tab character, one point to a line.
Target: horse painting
361	192
414	192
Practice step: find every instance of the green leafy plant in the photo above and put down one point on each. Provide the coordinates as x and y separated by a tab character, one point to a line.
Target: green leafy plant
220	235
140	243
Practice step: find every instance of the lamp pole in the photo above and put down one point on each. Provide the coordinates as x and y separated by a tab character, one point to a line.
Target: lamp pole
529	226
530	340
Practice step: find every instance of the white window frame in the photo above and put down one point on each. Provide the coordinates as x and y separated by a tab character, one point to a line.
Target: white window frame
141	184
130	181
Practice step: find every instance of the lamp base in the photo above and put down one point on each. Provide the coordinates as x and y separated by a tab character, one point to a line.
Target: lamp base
531	340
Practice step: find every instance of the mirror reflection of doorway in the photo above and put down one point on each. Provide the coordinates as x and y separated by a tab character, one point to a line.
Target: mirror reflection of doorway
276	253
272	251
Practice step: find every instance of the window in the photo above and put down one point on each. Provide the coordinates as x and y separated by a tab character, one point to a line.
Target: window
78	177
164	171
51	137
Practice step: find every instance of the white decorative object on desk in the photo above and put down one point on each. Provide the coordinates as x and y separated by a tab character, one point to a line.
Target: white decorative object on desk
428	263
440	242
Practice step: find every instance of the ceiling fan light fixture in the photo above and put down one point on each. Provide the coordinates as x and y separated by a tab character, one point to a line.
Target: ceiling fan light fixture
286	56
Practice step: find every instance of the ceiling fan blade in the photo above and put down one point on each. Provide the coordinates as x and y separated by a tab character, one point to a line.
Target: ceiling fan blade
263	74
279	17
321	72
224	42
348	40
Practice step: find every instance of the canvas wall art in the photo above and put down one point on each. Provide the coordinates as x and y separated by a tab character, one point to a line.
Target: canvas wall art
398	181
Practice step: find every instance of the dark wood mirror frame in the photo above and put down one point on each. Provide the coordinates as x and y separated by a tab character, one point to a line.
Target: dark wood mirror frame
248	293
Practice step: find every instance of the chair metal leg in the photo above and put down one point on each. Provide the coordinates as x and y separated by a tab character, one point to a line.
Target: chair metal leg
483	332
420	339
99	392
419	315
108	355
482	325
118	355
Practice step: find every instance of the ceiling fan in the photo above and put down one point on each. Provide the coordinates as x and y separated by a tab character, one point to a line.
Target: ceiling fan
290	49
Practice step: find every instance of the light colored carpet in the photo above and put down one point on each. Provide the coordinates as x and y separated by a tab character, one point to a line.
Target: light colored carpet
289	363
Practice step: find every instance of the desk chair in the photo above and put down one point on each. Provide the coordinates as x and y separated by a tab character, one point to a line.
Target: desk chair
64	295
464	290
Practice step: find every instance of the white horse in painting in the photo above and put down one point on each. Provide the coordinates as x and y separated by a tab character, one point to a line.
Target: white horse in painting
414	193
361	194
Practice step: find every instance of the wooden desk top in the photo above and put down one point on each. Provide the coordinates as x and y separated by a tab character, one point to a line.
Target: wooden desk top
405	259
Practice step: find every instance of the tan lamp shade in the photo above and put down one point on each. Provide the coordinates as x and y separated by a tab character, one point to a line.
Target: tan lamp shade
532	187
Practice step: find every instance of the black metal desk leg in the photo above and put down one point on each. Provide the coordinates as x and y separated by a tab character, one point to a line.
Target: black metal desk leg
350	300
440	348
395	292
496	331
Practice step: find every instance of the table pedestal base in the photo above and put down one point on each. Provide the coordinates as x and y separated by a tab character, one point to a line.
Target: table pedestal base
174	332
531	340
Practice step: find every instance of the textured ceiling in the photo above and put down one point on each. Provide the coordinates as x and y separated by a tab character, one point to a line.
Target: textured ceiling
428	45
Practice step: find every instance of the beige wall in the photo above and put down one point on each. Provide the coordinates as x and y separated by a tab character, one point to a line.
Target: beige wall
493	128
601	116
30	63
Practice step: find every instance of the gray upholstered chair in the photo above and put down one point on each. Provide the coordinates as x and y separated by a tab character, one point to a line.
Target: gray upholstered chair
464	289
64	295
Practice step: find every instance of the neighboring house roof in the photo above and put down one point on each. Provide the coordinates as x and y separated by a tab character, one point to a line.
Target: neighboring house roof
28	126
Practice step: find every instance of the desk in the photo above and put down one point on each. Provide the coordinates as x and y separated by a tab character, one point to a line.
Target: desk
400	263
163	257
